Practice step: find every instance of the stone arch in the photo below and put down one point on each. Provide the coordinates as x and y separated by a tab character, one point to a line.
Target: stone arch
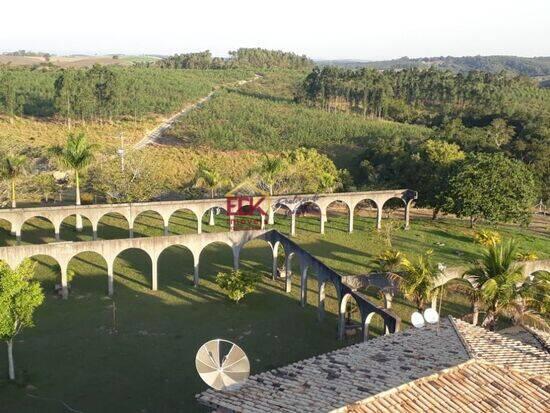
365	204
328	300
247	219
149	223
39	229
215	219
406	204
350	316
175	264
288	213
6	230
50	272
184	221
254	256
113	225
69	231
311	208
85	270
374	323
222	252
136	263
348	211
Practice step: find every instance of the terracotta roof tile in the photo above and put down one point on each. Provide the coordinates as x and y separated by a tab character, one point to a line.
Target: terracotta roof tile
333	380
474	386
503	350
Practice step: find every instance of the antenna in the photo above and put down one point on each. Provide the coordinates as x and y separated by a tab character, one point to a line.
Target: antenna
430	316
417	320
222	364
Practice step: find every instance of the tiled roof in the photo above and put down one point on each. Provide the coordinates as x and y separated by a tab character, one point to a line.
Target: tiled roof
473	387
454	366
502	350
528	335
351	374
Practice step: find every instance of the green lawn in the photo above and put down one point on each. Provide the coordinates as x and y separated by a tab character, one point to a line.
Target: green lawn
74	356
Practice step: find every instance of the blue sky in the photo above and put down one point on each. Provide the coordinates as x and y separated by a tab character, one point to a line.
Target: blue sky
321	29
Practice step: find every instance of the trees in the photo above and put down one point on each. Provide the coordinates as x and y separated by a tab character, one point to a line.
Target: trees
435	162
19	298
417	281
13	166
211	180
237	283
140	181
500	285
77	155
267	175
492	187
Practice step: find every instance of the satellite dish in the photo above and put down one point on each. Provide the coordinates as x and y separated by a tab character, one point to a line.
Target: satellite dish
431	316
417	320
222	364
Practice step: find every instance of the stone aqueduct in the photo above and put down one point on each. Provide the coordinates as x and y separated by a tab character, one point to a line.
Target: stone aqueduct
109	250
56	215
346	287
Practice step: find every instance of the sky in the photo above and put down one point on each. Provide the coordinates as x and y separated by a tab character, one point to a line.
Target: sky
338	29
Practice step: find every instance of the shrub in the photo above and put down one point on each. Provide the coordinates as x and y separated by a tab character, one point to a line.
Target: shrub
487	238
237	284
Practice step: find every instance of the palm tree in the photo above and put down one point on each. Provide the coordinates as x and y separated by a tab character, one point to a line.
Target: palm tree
388	261
13	166
502	287
472	293
417	281
77	154
212	181
268	174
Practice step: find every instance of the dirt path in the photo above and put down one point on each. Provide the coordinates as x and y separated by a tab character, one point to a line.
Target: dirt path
156	135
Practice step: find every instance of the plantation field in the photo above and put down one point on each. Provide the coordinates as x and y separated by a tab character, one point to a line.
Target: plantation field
149	357
262	115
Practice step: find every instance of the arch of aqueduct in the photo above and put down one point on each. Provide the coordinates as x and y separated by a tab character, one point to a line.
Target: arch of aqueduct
94	213
109	250
346	286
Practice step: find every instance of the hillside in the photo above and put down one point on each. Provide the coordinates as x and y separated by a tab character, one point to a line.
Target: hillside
76	61
527	66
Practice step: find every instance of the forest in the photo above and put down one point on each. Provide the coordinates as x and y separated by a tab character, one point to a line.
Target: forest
527	66
240	58
479	111
103	92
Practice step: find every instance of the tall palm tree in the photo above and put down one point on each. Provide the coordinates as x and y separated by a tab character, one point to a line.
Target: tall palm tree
268	174
417	280
13	166
211	180
504	291
77	154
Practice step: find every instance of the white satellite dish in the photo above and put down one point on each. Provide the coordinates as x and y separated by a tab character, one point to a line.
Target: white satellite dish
417	320
431	316
222	364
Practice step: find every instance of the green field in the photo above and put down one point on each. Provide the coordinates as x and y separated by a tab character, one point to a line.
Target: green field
74	356
262	115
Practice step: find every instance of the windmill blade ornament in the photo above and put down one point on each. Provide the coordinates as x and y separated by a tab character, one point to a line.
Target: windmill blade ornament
222	364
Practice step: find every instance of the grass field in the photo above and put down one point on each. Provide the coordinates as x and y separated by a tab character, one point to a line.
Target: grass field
74	356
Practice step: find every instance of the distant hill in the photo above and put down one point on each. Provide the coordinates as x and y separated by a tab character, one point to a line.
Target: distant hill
76	60
527	66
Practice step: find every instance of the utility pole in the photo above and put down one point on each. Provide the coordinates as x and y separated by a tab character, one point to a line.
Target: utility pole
121	151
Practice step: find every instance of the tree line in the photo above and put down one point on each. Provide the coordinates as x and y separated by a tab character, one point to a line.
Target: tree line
240	58
480	112
103	92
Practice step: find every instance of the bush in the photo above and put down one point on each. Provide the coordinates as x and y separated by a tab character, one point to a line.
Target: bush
237	284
